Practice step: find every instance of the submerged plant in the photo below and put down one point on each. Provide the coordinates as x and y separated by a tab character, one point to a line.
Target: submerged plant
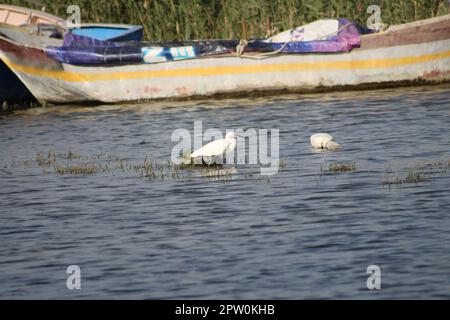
74	163
45	159
341	167
411	176
282	163
84	169
422	171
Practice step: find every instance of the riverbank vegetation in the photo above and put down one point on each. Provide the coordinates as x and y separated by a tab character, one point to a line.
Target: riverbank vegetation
165	20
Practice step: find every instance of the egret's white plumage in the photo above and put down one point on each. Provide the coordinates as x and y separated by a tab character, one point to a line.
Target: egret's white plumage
323	141
216	148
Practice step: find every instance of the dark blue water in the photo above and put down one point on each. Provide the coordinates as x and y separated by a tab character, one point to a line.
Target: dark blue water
303	233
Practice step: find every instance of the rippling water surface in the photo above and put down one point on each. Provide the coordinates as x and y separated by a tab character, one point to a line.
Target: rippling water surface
303	233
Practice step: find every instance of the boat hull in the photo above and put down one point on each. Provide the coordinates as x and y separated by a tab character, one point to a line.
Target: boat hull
377	62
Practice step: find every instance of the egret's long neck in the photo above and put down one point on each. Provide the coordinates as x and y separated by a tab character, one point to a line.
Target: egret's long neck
229	140
230	144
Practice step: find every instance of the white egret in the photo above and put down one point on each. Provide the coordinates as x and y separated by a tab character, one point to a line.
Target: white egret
323	141
216	149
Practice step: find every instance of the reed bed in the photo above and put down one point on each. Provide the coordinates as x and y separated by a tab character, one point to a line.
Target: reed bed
165	20
72	163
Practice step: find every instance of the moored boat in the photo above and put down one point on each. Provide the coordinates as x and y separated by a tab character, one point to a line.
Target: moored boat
19	16
413	52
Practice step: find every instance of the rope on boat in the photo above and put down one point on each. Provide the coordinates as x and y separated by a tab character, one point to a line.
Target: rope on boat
240	48
243	44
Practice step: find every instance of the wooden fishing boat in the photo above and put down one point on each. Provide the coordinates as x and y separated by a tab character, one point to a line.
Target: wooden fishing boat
415	52
19	16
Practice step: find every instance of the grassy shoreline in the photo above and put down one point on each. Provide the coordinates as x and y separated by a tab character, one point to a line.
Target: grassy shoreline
165	20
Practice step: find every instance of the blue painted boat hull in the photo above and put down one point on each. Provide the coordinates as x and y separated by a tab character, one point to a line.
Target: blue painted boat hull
110	32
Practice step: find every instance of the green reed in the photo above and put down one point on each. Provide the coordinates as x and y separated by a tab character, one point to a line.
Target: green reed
165	20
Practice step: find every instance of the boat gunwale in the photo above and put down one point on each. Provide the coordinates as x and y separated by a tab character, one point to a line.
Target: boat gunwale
44	15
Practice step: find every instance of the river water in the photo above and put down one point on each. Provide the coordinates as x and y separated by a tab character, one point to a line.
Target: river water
306	232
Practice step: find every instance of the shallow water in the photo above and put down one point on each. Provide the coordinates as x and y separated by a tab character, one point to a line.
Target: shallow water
303	233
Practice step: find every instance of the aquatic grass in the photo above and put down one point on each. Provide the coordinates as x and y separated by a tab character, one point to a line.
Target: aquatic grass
432	168
419	173
338	167
71	155
415	177
165	20
84	169
45	159
398	179
74	163
341	167
282	164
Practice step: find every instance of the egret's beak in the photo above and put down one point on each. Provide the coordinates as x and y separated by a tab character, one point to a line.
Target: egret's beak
238	135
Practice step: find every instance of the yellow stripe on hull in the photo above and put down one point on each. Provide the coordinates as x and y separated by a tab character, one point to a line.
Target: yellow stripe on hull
227	70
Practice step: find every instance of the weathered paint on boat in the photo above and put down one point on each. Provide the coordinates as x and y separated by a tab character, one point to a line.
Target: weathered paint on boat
410	52
16	16
24	37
